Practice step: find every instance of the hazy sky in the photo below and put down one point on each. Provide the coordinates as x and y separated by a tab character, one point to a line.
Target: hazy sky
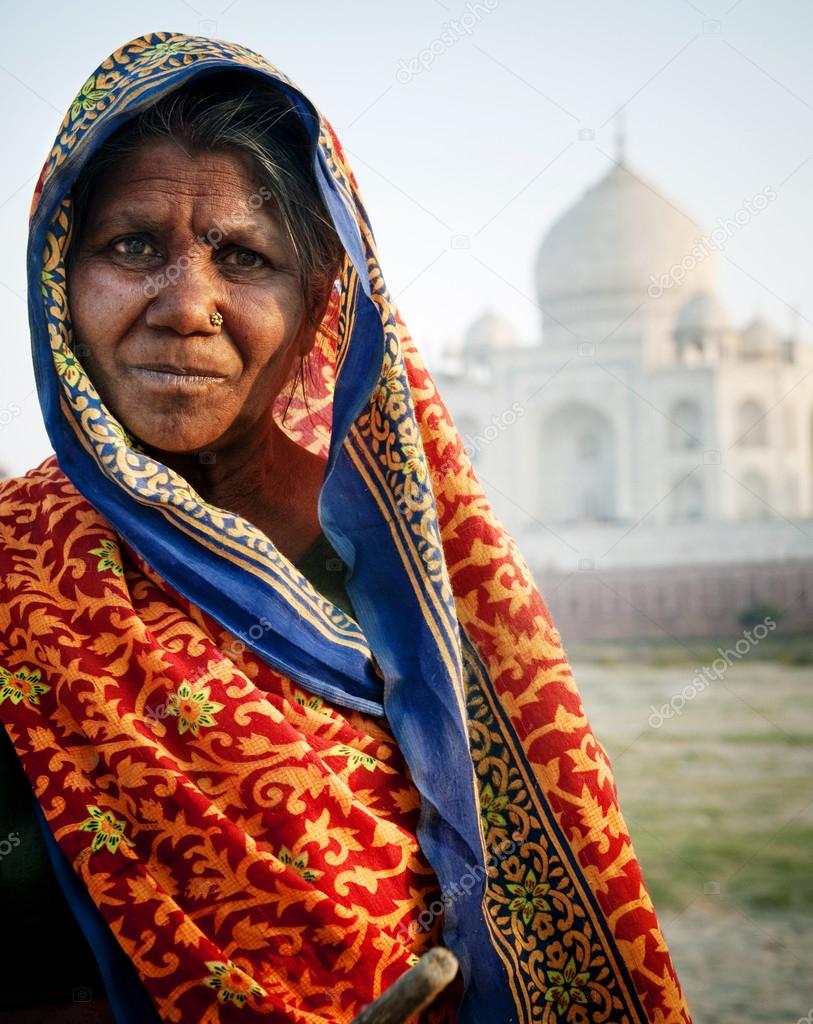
468	126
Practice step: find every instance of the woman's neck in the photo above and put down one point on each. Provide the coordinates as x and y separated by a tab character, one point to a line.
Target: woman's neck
267	479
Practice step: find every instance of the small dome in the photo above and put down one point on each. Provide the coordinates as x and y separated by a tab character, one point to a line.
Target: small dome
487	333
702	313
759	338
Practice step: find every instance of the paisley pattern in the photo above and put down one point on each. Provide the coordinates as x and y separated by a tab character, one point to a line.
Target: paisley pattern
246	778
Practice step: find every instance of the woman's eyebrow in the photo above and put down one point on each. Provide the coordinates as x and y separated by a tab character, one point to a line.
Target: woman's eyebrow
128	218
225	227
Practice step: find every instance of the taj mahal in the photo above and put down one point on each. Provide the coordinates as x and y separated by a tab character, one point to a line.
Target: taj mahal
643	427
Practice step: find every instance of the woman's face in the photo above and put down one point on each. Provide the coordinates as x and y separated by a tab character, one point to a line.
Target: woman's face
168	240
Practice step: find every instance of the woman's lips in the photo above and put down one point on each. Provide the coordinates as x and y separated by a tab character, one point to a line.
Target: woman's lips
178	379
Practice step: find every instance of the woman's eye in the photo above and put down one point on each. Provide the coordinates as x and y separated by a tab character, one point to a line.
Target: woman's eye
245	258
133	246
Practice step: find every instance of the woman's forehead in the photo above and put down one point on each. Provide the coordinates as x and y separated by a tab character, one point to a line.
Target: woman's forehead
156	162
159	180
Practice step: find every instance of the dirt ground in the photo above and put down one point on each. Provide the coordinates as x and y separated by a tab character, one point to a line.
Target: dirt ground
718	795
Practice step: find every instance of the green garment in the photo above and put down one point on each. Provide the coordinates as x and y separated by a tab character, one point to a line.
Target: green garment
326	571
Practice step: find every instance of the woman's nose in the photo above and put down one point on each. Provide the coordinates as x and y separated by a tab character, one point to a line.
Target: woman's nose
184	297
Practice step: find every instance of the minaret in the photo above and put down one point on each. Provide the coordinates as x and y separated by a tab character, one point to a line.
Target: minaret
794	333
620	136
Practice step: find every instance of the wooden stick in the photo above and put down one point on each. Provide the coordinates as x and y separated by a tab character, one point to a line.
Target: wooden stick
414	990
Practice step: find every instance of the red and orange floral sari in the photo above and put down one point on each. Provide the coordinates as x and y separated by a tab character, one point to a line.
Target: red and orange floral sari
276	806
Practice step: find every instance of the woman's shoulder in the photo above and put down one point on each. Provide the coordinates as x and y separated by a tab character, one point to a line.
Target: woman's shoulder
30	498
37	508
47	475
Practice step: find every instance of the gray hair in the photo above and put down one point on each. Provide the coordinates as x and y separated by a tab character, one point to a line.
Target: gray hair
219	112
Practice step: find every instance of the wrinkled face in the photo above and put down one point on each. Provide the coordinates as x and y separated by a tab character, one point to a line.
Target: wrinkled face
169	240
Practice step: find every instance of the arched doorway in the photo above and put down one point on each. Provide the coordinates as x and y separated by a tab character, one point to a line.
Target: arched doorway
754	496
686	433
687	499
752	426
578	465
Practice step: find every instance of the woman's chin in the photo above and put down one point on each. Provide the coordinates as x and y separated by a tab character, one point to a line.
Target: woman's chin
187	439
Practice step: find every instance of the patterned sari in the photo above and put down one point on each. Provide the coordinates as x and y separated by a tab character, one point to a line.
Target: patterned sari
274	805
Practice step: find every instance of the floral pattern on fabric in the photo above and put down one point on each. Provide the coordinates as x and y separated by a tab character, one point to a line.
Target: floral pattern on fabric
107	828
193	708
274	836
109	559
23	685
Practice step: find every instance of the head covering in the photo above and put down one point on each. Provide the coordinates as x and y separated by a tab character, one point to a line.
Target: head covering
542	898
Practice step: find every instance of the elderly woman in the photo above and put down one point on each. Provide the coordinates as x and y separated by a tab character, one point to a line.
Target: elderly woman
284	709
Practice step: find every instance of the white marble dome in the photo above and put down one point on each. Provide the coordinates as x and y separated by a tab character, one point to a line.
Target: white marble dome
701	314
601	257
487	333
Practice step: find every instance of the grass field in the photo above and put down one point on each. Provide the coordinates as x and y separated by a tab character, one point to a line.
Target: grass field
719	801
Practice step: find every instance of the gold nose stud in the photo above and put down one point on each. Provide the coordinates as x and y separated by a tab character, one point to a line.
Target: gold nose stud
216	320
